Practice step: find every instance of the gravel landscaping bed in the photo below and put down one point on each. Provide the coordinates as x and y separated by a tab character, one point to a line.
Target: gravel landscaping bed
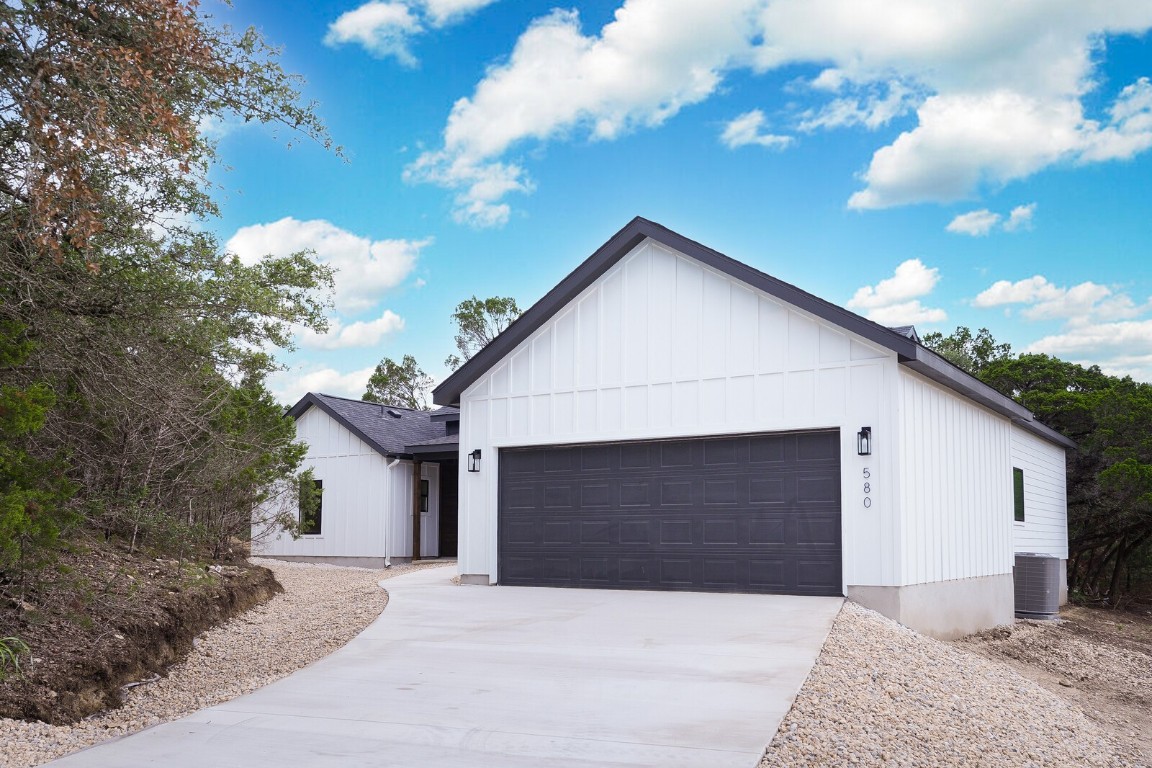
881	694
321	609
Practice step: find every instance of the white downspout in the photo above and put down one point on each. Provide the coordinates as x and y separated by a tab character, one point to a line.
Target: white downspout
388	520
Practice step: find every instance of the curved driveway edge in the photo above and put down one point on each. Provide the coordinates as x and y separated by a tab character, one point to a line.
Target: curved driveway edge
471	677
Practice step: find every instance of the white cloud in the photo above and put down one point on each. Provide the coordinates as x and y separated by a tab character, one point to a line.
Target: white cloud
870	108
1020	218
444	12
996	87
1129	131
965	140
1081	304
747	128
291	385
386	28
981	222
383	28
975	223
896	300
353	335
365	268
655	58
1121	348
906	313
911	280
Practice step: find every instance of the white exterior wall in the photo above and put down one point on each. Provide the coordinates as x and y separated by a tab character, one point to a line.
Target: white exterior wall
1045	526
367	507
955	479
662	346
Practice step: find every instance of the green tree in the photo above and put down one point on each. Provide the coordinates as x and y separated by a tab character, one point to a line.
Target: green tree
478	321
33	492
147	344
1109	475
404	384
969	353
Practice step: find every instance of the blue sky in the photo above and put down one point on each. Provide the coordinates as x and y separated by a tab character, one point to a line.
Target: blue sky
919	161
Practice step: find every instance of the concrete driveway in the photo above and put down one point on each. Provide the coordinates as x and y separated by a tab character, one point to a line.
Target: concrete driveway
512	676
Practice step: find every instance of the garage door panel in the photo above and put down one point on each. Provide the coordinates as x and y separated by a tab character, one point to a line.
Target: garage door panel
720	532
676	571
676	532
561	460
758	513
768	574
558	532
818	531
675	493
818	446
724	491
769	490
768	530
636	494
722	452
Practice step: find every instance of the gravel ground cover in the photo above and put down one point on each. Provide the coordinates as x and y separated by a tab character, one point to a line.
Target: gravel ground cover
321	609
881	694
1101	660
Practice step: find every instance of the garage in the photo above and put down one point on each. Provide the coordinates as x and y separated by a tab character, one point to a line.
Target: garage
750	513
669	418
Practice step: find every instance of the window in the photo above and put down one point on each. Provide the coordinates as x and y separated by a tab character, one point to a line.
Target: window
423	495
1018	492
310	524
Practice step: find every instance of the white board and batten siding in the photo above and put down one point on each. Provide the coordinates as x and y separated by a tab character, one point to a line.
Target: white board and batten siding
1045	526
662	346
956	485
367	507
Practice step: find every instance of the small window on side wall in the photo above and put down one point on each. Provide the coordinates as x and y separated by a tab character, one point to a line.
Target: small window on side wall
311	522
1018	493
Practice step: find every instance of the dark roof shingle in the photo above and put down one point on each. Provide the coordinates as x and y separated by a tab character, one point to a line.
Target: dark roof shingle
374	423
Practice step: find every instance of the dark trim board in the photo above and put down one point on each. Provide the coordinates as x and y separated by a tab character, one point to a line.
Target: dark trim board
744	513
908	352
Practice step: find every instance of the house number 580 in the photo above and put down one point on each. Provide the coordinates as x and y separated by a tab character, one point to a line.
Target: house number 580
867	488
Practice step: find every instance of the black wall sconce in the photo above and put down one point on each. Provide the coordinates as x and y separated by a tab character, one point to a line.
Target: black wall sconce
474	461
864	441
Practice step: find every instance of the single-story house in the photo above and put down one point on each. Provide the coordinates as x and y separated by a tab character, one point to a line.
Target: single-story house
387	475
670	418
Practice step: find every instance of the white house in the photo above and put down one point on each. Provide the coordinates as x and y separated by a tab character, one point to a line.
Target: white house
670	418
366	457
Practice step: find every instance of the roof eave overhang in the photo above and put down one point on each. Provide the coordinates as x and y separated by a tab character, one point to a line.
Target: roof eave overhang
420	450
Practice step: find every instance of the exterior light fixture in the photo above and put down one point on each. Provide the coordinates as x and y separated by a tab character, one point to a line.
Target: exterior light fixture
864	441
474	461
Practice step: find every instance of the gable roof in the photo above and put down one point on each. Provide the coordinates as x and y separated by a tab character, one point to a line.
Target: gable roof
908	351
375	424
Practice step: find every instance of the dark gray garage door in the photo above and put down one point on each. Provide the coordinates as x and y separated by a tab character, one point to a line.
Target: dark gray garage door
741	514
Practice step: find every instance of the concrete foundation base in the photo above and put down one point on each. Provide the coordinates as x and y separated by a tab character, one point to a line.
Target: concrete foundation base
945	610
376	563
481	579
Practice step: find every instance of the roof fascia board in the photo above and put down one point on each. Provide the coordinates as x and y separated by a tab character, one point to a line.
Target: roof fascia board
310	400
441	453
444	417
